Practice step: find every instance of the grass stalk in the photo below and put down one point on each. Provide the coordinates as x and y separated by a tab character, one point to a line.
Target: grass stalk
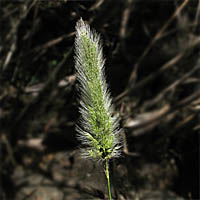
108	178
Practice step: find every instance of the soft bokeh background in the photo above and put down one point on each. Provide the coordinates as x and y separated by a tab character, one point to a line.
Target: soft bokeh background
153	71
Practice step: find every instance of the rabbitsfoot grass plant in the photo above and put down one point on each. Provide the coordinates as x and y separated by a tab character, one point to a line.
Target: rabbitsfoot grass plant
98	129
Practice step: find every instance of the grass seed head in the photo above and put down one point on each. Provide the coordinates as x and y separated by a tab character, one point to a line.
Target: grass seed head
98	129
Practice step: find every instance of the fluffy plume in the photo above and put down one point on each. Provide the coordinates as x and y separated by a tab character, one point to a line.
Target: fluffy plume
98	129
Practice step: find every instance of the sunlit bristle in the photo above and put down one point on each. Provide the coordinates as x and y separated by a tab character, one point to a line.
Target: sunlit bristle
97	129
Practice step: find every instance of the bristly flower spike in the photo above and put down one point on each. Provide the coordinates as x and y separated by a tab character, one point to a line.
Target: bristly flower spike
98	129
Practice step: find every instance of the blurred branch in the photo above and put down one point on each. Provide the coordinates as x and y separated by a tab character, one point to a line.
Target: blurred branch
37	88
96	5
39	100
57	40
12	35
133	76
172	86
197	18
123	28
146	121
168	65
9	149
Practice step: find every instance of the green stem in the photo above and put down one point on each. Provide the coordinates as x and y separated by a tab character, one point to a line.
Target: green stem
108	179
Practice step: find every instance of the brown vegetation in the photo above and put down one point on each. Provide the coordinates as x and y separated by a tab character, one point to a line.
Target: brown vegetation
153	70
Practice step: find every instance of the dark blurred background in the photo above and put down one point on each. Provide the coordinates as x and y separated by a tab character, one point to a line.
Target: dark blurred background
153	71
